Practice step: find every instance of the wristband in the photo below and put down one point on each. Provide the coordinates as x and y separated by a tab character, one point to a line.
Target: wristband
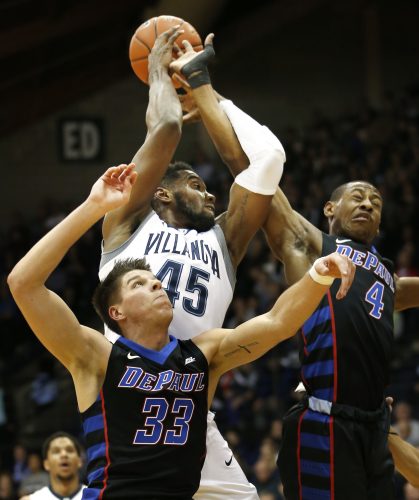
196	71
318	278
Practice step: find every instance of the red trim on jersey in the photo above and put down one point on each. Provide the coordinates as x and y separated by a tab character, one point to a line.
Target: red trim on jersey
335	355
300	488
108	460
332	459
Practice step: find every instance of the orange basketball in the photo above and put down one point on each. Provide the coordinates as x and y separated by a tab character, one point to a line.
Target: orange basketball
143	40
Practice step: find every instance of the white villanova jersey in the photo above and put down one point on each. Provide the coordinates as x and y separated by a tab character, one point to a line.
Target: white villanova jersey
195	270
46	493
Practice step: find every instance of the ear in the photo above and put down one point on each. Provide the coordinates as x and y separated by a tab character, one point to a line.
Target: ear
164	195
115	313
46	465
329	209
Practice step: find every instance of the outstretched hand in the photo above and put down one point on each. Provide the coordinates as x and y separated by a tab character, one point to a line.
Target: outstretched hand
113	188
336	265
186	54
162	52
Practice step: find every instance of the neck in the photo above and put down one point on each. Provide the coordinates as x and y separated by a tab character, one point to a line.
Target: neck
65	486
154	337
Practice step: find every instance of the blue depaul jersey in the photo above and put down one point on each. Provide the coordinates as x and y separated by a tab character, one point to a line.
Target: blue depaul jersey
348	344
145	434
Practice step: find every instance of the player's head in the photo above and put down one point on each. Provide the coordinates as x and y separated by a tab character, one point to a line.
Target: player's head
354	210
130	292
62	455
182	199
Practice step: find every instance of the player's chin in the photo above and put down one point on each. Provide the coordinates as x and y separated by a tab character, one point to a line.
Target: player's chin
206	221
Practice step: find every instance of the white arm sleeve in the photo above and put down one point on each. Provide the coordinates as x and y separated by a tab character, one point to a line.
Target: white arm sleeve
264	150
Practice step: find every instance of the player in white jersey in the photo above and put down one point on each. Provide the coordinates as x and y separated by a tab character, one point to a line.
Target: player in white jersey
62	459
170	220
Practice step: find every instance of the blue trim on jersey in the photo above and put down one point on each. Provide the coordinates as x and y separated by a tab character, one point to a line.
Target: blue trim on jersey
316	416
159	357
325	393
96	451
317	318
93	424
96	474
322	340
318	369
315	494
309	440
91	494
315	468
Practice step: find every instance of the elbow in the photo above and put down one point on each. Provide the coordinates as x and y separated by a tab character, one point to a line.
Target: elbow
18	282
170	126
15	281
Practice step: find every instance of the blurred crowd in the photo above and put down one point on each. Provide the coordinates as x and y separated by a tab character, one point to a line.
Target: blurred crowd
381	146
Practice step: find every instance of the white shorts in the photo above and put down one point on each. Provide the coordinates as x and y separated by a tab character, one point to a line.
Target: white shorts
222	477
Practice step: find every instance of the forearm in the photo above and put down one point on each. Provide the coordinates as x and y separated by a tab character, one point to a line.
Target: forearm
163	104
295	306
35	267
220	129
407	293
406	458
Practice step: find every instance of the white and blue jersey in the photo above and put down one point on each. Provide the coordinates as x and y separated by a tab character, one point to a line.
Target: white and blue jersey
194	267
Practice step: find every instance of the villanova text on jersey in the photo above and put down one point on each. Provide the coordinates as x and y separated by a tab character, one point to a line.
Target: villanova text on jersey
195	270
166	242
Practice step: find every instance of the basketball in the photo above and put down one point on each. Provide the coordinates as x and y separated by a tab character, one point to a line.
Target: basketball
143	40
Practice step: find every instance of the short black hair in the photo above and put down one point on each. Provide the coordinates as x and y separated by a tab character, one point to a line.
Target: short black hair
59	434
173	173
107	290
338	192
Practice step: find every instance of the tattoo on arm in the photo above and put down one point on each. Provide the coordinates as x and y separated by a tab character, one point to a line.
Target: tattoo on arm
239	347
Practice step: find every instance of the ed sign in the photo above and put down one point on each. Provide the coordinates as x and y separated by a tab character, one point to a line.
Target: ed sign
81	139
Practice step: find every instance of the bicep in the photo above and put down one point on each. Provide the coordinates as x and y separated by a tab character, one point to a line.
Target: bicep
55	325
292	239
246	213
407	293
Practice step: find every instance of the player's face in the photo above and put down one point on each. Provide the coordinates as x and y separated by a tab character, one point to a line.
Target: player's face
142	296
194	204
357	214
63	461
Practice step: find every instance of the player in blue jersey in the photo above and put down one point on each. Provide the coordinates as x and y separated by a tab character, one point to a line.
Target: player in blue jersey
170	219
144	399
335	441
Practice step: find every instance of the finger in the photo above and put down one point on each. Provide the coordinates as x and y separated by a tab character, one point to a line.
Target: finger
191	117
187	45
174	35
178	51
168	33
133	177
209	39
347	270
183	83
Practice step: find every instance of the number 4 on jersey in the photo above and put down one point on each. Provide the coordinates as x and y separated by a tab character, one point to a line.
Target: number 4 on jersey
374	296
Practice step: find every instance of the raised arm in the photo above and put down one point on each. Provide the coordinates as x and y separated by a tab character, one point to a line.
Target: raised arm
293	240
252	192
227	349
79	348
164	121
